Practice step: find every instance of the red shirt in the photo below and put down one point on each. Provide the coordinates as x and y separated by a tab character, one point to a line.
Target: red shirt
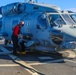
16	30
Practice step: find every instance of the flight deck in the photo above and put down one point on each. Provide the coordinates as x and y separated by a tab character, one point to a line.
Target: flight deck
35	63
48	37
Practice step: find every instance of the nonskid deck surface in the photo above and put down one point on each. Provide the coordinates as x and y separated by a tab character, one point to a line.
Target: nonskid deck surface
35	63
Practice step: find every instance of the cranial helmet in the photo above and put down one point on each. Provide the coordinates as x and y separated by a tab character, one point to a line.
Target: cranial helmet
21	23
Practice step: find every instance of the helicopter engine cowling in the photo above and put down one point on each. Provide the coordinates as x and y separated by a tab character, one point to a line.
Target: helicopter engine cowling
14	8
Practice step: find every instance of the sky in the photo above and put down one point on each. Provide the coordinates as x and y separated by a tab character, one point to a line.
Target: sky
63	4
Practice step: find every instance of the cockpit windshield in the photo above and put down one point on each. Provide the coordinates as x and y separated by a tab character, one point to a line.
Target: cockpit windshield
56	20
73	16
68	19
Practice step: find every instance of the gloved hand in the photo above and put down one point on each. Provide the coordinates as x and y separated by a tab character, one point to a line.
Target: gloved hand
20	36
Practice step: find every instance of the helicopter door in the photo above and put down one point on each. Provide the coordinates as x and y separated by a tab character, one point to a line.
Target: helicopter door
7	26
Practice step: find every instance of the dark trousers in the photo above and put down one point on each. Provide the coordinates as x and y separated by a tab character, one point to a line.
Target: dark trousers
22	47
15	43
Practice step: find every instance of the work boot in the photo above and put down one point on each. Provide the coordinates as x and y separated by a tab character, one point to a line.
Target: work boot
16	54
23	52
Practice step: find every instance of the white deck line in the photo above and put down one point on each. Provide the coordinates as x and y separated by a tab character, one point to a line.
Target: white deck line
28	68
8	65
18	60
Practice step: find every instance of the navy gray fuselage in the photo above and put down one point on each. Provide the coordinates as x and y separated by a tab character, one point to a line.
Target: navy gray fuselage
47	26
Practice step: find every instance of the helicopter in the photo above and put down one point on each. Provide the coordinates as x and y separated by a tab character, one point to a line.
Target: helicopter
47	27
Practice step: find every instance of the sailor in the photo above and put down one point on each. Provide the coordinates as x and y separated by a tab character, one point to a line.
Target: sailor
15	35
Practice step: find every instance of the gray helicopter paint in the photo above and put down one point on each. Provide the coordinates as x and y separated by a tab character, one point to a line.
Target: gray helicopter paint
37	23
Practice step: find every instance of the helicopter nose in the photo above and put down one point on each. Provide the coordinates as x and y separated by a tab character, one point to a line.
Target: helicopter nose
69	38
70	34
63	37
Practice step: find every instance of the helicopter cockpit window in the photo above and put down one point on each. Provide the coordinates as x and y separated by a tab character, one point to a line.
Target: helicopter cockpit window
56	20
42	22
68	19
73	16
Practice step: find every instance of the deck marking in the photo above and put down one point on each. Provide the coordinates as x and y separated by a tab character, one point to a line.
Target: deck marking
29	68
34	71
8	65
